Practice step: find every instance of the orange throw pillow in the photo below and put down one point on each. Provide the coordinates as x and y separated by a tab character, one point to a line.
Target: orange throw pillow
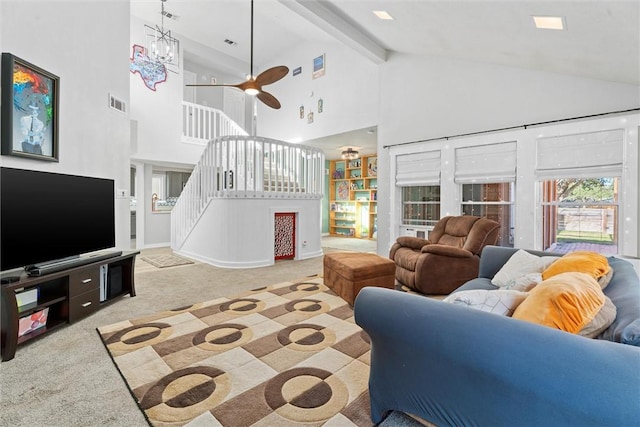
592	263
567	302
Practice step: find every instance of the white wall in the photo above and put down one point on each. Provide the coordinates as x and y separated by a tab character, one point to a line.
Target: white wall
157	135
456	97
158	114
61	37
349	90
239	233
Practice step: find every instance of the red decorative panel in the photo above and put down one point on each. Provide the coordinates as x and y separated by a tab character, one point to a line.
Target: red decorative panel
285	235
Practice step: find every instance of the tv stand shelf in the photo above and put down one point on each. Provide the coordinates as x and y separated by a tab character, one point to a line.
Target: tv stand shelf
69	295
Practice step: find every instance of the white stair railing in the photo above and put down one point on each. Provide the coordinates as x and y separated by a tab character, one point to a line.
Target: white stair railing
201	124
247	167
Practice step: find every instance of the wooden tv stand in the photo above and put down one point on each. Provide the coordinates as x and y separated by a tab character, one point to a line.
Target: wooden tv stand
69	295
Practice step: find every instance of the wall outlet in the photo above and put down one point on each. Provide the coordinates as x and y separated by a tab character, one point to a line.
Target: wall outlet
122	193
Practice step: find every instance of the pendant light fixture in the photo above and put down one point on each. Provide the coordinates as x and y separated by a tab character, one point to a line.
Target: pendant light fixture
161	46
350	154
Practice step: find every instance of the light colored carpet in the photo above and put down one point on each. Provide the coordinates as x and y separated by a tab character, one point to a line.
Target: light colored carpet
288	354
67	378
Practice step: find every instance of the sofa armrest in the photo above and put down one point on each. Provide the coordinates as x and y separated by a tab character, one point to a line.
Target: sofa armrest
412	242
453	365
444	250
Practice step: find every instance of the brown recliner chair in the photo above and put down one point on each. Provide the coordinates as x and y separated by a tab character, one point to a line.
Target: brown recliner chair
448	259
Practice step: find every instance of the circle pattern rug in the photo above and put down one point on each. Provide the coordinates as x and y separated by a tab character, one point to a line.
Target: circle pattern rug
284	355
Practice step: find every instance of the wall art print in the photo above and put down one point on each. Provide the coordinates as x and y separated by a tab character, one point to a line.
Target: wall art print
29	115
318	66
152	72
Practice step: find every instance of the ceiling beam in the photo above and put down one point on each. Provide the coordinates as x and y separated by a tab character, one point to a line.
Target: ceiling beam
336	26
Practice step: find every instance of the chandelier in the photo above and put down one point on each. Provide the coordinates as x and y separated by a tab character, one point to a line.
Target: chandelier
350	154
161	47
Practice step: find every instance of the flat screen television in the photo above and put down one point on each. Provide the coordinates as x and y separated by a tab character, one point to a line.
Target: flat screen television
48	216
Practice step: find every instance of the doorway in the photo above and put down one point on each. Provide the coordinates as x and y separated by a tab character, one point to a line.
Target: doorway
284	245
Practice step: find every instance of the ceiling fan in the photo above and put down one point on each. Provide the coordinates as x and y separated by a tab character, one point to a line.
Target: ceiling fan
253	86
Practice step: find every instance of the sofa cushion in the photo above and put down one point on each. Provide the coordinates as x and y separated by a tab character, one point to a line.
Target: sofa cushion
591	263
477	283
502	302
521	272
601	321
567	301
604	280
624	291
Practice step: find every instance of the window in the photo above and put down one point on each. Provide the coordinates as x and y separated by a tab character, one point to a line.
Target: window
158	184
418	174
493	201
166	187
580	214
487	174
421	205
579	194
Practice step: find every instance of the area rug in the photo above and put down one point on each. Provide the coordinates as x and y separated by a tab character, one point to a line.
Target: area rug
285	355
162	261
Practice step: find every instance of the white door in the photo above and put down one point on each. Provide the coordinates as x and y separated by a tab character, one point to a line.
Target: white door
234	105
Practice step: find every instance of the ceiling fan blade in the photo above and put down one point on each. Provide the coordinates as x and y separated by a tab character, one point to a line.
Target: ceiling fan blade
210	85
272	75
269	100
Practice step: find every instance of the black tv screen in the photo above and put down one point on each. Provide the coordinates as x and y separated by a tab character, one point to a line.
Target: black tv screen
49	216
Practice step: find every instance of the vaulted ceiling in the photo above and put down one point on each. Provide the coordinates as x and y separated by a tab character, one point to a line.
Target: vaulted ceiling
601	39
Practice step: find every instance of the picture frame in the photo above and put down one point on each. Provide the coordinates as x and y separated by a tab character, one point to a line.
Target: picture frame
30	109
318	66
372	166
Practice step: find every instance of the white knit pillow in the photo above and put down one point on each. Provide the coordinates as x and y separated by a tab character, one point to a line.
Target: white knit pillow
514	273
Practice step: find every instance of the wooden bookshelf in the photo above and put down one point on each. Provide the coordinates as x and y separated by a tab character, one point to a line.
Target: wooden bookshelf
353	197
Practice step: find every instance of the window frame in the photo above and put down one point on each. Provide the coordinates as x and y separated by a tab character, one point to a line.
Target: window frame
426	223
545	234
509	233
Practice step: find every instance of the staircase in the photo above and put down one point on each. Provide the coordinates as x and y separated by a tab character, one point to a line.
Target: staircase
238	166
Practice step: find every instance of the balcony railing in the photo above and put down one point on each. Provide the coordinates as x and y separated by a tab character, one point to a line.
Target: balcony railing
201	124
247	167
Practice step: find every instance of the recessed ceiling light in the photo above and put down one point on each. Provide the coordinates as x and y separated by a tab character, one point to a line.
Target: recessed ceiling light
549	22
382	14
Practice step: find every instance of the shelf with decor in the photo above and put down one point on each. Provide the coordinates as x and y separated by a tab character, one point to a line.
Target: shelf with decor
35	305
353	197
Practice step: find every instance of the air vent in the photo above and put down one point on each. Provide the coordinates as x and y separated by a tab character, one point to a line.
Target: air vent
169	15
230	42
117	104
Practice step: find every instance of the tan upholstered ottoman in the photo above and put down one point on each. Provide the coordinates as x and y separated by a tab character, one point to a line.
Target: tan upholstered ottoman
348	272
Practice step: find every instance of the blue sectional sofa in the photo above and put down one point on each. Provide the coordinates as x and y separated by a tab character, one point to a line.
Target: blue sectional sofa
457	366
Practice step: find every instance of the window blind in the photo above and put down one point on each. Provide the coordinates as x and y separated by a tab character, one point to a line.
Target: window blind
418	169
486	163
587	155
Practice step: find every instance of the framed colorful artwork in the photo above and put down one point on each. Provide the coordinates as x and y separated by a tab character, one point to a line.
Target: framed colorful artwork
29	115
372	166
342	190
